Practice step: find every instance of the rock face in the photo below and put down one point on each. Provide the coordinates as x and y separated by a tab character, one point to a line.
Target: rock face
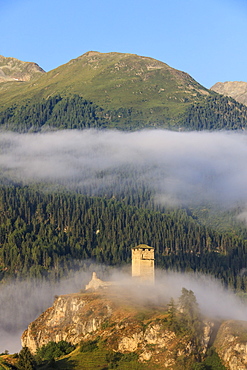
123	325
71	318
231	344
235	89
12	69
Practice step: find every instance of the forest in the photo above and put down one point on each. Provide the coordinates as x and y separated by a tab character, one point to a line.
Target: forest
44	234
217	113
54	113
74	112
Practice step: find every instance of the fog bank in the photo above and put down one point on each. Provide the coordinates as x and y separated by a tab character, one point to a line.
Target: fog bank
181	167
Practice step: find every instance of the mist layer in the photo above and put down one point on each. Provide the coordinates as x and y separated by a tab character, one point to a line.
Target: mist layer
180	167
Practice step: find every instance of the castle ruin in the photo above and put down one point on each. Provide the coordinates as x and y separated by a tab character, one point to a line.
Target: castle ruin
142	268
96	283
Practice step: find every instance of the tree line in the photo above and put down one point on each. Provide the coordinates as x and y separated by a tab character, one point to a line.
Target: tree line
74	112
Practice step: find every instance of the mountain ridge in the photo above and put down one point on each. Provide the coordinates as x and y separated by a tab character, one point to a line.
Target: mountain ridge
235	89
12	69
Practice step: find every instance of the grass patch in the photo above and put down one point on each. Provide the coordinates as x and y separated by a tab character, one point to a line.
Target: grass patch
97	356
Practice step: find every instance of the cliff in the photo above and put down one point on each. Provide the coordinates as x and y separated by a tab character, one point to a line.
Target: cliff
231	344
123	324
126	326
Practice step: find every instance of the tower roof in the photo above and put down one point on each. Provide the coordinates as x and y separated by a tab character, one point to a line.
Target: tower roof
143	246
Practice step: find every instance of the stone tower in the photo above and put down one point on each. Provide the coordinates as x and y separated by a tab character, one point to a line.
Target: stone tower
143	262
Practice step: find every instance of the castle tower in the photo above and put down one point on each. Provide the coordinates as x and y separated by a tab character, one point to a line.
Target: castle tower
143	262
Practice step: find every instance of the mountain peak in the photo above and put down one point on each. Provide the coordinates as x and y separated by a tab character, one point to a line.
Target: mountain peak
235	89
12	69
91	53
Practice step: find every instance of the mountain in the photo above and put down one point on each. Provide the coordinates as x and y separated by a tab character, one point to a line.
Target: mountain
13	70
145	88
116	80
236	89
116	90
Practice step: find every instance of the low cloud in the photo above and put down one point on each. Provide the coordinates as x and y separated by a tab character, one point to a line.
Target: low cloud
180	167
209	293
23	301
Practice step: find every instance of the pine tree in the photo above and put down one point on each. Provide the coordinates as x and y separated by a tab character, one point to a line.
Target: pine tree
26	360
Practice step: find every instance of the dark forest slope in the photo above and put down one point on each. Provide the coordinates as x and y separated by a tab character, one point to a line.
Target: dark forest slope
46	234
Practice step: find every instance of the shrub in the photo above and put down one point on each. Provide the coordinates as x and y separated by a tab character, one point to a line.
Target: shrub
54	350
26	360
89	346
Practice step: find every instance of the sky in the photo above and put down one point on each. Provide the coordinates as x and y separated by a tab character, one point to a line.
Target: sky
205	38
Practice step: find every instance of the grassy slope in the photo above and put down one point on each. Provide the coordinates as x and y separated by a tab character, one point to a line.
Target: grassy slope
6	362
97	360
114	80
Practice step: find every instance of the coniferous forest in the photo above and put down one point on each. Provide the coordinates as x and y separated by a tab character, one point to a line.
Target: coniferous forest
45	234
74	112
55	112
217	113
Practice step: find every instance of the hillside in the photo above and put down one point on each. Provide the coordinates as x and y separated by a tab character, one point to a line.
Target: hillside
235	89
45	234
122	324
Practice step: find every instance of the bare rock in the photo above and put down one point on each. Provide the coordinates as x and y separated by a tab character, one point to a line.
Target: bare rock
12	69
235	89
231	344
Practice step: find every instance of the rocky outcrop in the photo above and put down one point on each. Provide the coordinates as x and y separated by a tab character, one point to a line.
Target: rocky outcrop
231	344
121	323
156	343
235	89
71	318
124	325
12	69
